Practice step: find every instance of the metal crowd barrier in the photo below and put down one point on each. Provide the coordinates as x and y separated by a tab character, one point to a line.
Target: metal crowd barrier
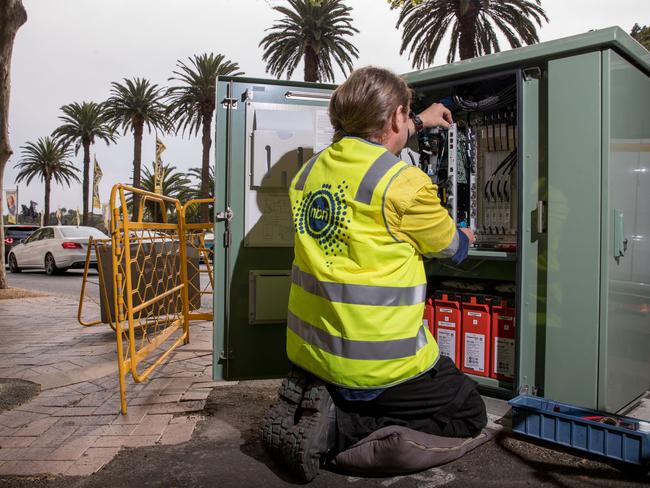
195	238
149	280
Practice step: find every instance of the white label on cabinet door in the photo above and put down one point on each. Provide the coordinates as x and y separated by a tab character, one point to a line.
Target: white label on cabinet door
504	356
447	343
474	352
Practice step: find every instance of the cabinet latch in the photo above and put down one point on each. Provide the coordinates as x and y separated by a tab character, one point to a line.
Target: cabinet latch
225	216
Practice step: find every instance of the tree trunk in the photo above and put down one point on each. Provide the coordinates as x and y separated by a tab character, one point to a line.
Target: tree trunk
311	65
46	209
204	212
86	182
467	29
138	127
12	16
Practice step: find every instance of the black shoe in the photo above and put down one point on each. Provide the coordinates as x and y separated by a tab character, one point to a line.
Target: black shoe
279	418
306	443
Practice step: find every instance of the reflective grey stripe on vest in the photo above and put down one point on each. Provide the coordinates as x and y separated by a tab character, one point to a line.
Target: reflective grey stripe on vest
351	349
300	184
389	296
370	180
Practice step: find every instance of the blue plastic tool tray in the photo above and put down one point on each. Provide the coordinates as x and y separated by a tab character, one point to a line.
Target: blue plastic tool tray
566	425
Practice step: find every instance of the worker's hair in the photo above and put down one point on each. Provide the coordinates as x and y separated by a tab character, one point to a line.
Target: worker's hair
363	104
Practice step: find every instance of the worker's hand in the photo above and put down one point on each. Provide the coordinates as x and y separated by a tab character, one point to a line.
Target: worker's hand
437	115
470	235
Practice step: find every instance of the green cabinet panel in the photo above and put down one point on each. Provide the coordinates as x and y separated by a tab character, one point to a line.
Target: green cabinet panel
251	271
625	257
573	254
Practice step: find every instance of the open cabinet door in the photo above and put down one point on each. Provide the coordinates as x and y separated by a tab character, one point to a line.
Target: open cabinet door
533	200
265	131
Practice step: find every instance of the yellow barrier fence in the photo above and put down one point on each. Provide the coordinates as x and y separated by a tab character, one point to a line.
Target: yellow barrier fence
197	237
149	282
149	279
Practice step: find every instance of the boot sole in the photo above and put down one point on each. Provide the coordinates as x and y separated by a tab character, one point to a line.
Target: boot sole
282	416
306	442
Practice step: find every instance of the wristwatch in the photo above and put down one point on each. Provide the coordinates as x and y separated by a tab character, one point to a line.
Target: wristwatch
417	121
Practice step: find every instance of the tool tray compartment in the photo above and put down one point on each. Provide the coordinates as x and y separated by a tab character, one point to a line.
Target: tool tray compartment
576	427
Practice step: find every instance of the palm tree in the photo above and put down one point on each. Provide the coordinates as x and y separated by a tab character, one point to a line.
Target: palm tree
192	104
472	26
314	31
83	123
132	106
47	160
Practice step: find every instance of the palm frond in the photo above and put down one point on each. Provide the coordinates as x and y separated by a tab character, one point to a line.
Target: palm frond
47	158
305	27
137	101
471	24
194	99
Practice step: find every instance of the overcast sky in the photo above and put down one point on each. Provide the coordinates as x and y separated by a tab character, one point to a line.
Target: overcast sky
71	50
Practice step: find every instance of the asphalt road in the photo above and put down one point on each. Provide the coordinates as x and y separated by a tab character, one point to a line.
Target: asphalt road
69	283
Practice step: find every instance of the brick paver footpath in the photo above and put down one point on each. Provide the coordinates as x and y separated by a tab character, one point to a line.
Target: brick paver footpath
73	426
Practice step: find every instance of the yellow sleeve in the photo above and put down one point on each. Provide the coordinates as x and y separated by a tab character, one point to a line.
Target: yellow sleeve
413	213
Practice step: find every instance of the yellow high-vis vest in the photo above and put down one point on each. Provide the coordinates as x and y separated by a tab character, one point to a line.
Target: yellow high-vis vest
357	293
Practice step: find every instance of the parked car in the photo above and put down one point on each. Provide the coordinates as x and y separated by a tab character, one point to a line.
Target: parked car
14	233
54	248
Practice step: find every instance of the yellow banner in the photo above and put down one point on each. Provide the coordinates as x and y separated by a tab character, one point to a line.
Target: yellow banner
97	176
158	173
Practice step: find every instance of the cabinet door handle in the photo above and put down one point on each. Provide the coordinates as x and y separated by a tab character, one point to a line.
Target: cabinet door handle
540	217
620	242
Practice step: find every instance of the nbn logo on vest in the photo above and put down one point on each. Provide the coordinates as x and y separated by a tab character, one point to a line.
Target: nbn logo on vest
323	215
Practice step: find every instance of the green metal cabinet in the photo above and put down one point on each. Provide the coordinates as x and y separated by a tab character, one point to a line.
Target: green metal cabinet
582	265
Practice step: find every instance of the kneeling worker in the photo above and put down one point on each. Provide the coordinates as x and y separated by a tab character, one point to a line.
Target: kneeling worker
364	221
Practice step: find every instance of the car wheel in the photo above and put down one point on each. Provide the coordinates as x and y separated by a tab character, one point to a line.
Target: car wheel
50	265
13	264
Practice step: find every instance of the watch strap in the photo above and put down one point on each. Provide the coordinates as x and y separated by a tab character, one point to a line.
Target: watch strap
417	121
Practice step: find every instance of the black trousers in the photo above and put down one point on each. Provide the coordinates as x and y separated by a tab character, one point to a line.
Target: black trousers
442	401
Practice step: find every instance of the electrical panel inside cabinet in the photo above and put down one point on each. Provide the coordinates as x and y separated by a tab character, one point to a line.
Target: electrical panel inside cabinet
474	162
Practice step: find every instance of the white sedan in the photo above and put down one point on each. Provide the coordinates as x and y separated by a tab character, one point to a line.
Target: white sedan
55	249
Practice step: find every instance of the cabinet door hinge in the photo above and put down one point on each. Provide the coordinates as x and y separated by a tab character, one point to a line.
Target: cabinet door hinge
229	103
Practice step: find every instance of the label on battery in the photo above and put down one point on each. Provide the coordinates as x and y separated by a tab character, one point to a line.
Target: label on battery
504	356
475	352
445	310
446	324
447	343
475	314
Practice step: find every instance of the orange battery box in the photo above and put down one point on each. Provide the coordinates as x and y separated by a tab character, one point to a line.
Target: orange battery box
476	335
503	339
429	317
447	322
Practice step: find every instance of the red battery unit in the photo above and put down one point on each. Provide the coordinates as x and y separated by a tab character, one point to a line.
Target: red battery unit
448	321
429	317
503	339
476	335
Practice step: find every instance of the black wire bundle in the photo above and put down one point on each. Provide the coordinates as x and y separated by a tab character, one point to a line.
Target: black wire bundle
505	168
505	97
